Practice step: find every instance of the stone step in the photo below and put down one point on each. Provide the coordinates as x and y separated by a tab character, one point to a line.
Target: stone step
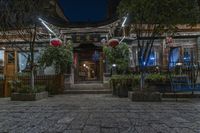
107	91
88	87
181	95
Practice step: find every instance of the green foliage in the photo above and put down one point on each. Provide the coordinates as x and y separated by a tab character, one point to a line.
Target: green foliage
126	81
167	12
154	18
15	85
123	81
119	56
19	87
21	13
157	78
132	82
27	89
23	74
60	57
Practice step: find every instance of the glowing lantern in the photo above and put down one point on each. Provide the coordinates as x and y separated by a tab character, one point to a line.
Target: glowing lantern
169	40
56	42
113	42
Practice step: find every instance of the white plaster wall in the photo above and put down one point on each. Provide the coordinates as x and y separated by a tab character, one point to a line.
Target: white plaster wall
49	70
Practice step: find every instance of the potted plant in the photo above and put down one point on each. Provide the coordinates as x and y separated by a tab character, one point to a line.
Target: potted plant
158	81
21	92
59	56
118	58
149	93
121	84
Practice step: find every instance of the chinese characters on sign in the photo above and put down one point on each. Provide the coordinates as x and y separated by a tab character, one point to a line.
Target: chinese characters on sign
80	38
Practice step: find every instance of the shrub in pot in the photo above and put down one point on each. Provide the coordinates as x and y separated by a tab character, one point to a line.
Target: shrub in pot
149	92
159	81
21	92
121	84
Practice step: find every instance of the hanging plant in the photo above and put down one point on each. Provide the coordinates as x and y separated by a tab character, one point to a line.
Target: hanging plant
118	56
59	56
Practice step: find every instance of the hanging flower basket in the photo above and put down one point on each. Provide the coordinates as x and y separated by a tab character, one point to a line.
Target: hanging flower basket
56	42
113	42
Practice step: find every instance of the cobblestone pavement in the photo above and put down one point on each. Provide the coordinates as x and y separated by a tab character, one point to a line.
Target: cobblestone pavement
99	114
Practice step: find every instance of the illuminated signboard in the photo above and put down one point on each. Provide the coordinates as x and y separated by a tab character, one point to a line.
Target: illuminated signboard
81	38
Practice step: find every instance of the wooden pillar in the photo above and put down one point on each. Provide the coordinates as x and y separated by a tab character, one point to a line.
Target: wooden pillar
101	67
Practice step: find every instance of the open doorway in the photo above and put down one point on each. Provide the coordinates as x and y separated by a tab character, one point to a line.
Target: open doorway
88	63
89	71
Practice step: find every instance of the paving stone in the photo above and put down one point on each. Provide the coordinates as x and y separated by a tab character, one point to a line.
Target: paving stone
76	125
162	128
130	129
66	120
91	129
98	114
145	129
93	122
109	130
184	130
109	123
72	131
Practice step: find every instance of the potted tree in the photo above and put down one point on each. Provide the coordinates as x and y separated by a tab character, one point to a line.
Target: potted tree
152	19
59	56
118	58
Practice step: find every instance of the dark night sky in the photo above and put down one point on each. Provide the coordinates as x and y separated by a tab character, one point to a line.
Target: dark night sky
84	10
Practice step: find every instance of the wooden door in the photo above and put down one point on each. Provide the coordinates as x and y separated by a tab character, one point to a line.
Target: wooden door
10	70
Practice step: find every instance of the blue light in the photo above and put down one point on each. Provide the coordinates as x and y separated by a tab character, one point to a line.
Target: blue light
174	57
152	58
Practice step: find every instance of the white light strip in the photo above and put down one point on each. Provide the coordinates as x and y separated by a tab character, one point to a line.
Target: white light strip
123	24
43	22
122	40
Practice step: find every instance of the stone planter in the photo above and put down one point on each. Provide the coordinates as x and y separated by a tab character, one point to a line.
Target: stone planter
160	87
28	96
122	92
139	96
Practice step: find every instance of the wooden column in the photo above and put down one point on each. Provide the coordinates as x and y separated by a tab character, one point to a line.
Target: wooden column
101	67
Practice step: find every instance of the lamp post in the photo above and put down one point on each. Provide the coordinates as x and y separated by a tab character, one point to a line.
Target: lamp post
179	64
114	69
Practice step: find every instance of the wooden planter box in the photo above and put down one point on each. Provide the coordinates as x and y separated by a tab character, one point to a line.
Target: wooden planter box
139	96
28	96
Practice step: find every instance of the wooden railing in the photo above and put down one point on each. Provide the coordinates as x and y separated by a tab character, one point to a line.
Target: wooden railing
54	83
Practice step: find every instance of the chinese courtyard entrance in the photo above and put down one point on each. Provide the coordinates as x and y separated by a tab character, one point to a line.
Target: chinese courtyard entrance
88	63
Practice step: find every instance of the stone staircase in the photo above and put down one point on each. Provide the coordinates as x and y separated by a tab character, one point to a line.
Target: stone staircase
88	88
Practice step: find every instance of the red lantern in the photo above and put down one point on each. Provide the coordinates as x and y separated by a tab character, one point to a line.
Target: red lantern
56	42
113	42
169	40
